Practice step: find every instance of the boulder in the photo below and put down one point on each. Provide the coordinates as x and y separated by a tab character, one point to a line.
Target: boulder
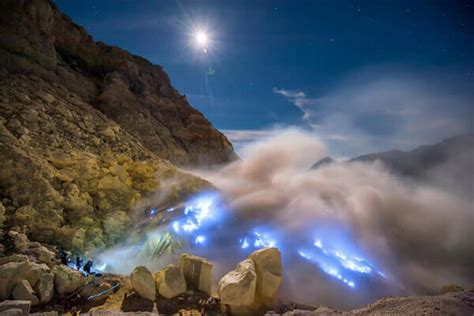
67	280
170	282
13	312
44	255
23	306
36	270
10	274
269	273
237	288
197	272
143	283
19	240
15	258
24	292
45	288
46	97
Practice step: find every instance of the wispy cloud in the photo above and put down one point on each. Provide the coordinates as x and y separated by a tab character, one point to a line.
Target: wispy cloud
300	100
380	109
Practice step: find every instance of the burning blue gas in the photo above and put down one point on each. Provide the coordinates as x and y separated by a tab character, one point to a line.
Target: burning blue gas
337	262
257	240
199	213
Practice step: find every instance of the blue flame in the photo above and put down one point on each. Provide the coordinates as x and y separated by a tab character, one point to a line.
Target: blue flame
258	239
338	260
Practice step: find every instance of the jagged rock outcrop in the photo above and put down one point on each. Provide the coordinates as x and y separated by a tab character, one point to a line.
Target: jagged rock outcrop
86	131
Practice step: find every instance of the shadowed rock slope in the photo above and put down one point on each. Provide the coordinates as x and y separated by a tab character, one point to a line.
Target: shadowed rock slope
86	130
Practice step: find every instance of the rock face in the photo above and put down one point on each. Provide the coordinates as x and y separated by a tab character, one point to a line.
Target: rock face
22	306
170	282
23	291
269	273
143	283
67	280
45	288
197	272
10	275
86	130
237	288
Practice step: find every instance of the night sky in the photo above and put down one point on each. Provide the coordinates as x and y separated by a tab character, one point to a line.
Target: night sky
362	75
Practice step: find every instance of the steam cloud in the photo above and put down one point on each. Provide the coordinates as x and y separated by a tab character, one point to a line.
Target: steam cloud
415	234
418	233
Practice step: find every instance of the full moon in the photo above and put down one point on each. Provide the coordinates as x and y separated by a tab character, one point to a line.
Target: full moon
201	38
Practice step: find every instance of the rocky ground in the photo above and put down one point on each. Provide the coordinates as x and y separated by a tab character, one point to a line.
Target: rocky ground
32	280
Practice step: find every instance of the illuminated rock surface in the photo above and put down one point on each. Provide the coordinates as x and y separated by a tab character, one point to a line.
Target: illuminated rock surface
197	271
269	270
170	282
143	283
237	288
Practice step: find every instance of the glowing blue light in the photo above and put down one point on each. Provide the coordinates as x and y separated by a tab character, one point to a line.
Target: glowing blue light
175	227
245	243
189	226
257	240
200	240
263	240
318	243
153	212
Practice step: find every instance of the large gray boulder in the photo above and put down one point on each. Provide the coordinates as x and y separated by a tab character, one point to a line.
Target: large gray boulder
170	282
237	288
10	274
45	288
197	272
23	306
269	273
143	283
67	280
24	292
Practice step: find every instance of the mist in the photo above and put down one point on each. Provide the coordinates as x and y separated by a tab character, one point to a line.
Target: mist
410	236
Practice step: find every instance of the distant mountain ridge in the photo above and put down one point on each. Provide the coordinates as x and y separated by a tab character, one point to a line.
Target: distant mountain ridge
419	161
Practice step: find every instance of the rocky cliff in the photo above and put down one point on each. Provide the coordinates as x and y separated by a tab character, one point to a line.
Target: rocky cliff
86	130
35	38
